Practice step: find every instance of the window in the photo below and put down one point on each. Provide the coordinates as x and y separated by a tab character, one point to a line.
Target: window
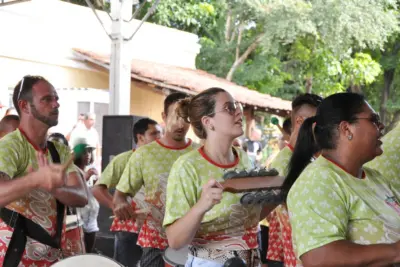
100	109
83	107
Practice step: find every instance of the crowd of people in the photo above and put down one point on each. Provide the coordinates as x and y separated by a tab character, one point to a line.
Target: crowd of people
339	199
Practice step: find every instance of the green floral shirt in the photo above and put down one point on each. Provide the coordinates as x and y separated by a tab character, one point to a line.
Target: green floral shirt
228	225
327	204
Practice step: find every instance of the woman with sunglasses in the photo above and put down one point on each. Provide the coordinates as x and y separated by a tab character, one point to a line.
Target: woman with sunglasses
216	226
341	212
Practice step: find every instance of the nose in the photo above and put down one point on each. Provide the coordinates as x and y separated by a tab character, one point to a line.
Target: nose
181	122
56	104
381	126
239	110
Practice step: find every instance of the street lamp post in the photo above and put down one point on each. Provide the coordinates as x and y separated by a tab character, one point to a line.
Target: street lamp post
120	60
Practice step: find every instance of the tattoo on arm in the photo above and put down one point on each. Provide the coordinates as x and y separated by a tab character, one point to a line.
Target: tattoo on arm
4	176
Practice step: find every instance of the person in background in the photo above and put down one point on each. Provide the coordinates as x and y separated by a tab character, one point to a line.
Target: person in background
254	147
30	183
90	212
11	111
280	247
341	212
283	140
77	126
89	133
8	124
149	167
213	223
286	133
127	252
285	129
388	162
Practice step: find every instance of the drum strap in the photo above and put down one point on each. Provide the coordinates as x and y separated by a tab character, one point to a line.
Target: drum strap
24	227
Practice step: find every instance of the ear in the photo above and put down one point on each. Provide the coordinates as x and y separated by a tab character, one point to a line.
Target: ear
140	138
206	121
23	106
345	129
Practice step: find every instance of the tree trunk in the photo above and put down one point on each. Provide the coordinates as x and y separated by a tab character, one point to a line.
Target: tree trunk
99	3
393	123
228	26
242	58
388	77
309	85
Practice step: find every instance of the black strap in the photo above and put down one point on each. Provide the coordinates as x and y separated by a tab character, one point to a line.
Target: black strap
24	227
60	207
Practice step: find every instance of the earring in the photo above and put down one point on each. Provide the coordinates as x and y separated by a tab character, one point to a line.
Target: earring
350	137
212	128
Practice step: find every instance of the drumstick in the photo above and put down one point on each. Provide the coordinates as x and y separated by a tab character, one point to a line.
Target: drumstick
142	211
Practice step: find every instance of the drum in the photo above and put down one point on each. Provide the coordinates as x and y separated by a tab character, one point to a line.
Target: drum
87	260
175	258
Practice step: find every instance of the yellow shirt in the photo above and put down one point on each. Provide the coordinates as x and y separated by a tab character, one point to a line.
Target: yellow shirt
113	172
149	167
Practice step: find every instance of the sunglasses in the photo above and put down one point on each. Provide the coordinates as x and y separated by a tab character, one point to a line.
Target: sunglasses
23	80
230	108
375	119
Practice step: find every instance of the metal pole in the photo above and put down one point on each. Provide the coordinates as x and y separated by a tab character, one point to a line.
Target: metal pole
120	64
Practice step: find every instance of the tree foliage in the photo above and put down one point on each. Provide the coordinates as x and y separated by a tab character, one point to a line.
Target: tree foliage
286	47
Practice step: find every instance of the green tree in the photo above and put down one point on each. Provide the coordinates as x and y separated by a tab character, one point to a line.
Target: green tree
384	94
195	16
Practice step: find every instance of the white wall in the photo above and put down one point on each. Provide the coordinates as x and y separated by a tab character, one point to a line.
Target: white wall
69	99
47	30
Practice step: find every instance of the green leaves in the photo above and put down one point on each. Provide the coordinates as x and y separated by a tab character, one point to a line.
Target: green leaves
339	24
187	15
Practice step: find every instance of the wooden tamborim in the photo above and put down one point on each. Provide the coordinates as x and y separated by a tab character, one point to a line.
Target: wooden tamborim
87	260
175	258
259	186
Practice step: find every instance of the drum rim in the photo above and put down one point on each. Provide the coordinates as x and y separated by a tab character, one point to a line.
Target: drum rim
169	261
95	254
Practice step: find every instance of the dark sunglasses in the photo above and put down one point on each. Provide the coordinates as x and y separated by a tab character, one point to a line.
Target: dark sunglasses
230	108
375	119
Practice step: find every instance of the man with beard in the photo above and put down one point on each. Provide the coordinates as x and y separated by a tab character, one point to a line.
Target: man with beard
33	188
149	167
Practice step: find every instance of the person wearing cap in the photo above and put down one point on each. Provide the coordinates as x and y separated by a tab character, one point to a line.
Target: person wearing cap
89	213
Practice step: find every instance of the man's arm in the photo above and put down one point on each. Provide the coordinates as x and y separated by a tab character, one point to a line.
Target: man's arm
74	193
102	195
122	208
13	189
129	184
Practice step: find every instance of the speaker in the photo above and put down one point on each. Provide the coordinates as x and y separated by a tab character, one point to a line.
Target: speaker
117	136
